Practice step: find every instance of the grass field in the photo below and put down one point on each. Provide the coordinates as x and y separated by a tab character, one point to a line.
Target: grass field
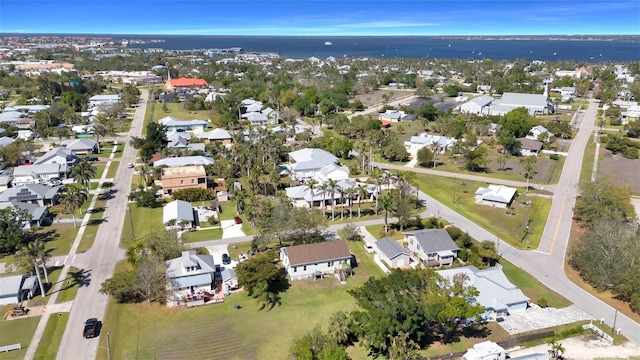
58	237
90	231
228	333
145	221
19	331
99	170
587	162
113	169
202	235
68	290
53	335
531	287
508	227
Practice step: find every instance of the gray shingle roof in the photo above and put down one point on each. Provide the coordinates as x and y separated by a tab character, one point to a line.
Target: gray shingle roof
177	267
434	240
390	248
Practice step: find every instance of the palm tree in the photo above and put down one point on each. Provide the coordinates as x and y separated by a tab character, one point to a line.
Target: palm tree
362	191
376	175
26	256
350	192
311	185
72	200
36	248
324	187
333	186
83	172
385	203
100	132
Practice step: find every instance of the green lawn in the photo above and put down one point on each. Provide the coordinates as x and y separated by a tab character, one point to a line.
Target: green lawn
587	162
508	227
202	235
531	287
228	210
113	169
303	305
17	331
58	237
53	335
68	290
145	221
177	111
99	170
90	231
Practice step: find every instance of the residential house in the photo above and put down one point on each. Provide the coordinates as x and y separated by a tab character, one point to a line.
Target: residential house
495	195
26	134
229	279
576	74
396	116
5	181
530	147
392	253
478	106
181	140
183	161
57	155
486	350
5	140
214	135
17	288
302	196
316	259
273	117
434	246
10	118
631	114
101	100
185	83
172	124
305	164
25	123
177	211
497	295
37	173
183	177
539	132
332	171
437	143
191	271
256	118
83	146
39	215
31	193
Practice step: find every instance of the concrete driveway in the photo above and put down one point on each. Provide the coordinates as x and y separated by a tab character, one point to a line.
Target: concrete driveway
230	229
216	251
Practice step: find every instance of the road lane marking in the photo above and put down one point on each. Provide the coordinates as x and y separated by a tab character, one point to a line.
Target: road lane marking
555	234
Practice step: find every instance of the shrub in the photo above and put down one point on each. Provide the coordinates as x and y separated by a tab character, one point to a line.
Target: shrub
454	232
194	194
554	157
463	255
630	153
543	303
213	220
351	232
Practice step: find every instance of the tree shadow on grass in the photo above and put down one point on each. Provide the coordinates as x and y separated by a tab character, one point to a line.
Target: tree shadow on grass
96	222
80	278
95	210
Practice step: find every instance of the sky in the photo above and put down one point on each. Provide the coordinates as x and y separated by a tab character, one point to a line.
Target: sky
319	17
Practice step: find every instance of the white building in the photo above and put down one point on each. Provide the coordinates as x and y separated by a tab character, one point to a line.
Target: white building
316	259
307	163
487	350
437	143
177	211
536	132
99	100
499	196
478	106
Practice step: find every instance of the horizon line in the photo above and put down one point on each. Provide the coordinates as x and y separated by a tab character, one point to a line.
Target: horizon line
319	35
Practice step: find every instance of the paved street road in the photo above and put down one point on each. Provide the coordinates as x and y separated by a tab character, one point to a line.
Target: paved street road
103	255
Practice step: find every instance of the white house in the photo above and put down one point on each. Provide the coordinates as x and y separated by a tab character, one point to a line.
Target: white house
536	104
434	246
536	132
177	211
36	173
437	144
495	195
184	161
477	106
497	295
305	164
217	134
39	194
316	259
58	155
487	350
332	171
99	100
173	125
392	253
229	279
191	271
80	146
396	116
530	147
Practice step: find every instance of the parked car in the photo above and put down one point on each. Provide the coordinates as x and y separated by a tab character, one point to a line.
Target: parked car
92	158
130	165
226	259
90	328
237	220
368	248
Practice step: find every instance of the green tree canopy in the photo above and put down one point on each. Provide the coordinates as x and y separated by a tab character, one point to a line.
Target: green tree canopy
604	200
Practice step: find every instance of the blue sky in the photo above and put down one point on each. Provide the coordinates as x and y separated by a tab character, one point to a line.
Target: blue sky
318	17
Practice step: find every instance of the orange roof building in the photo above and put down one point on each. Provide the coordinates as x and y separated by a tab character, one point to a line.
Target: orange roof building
182	83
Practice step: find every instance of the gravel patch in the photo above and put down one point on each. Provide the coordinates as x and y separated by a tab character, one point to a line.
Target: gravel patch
586	347
535	318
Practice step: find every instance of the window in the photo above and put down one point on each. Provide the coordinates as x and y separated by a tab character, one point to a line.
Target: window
193	181
202	180
330	264
304	268
295	269
181	182
418	247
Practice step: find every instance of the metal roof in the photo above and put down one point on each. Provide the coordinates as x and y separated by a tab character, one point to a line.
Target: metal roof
195	280
10	285
177	210
390	248
434	240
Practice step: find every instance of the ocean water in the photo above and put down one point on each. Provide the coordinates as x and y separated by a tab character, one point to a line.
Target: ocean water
409	47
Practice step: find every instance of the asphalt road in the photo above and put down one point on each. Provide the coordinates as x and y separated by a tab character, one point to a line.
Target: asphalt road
104	254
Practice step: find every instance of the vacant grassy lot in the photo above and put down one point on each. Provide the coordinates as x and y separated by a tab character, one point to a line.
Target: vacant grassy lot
202	235
145	221
57	237
19	331
53	335
508	227
226	332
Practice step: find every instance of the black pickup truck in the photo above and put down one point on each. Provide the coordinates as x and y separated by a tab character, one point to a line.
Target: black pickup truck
90	328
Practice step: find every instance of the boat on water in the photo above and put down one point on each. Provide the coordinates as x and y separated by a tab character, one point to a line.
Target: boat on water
328	43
